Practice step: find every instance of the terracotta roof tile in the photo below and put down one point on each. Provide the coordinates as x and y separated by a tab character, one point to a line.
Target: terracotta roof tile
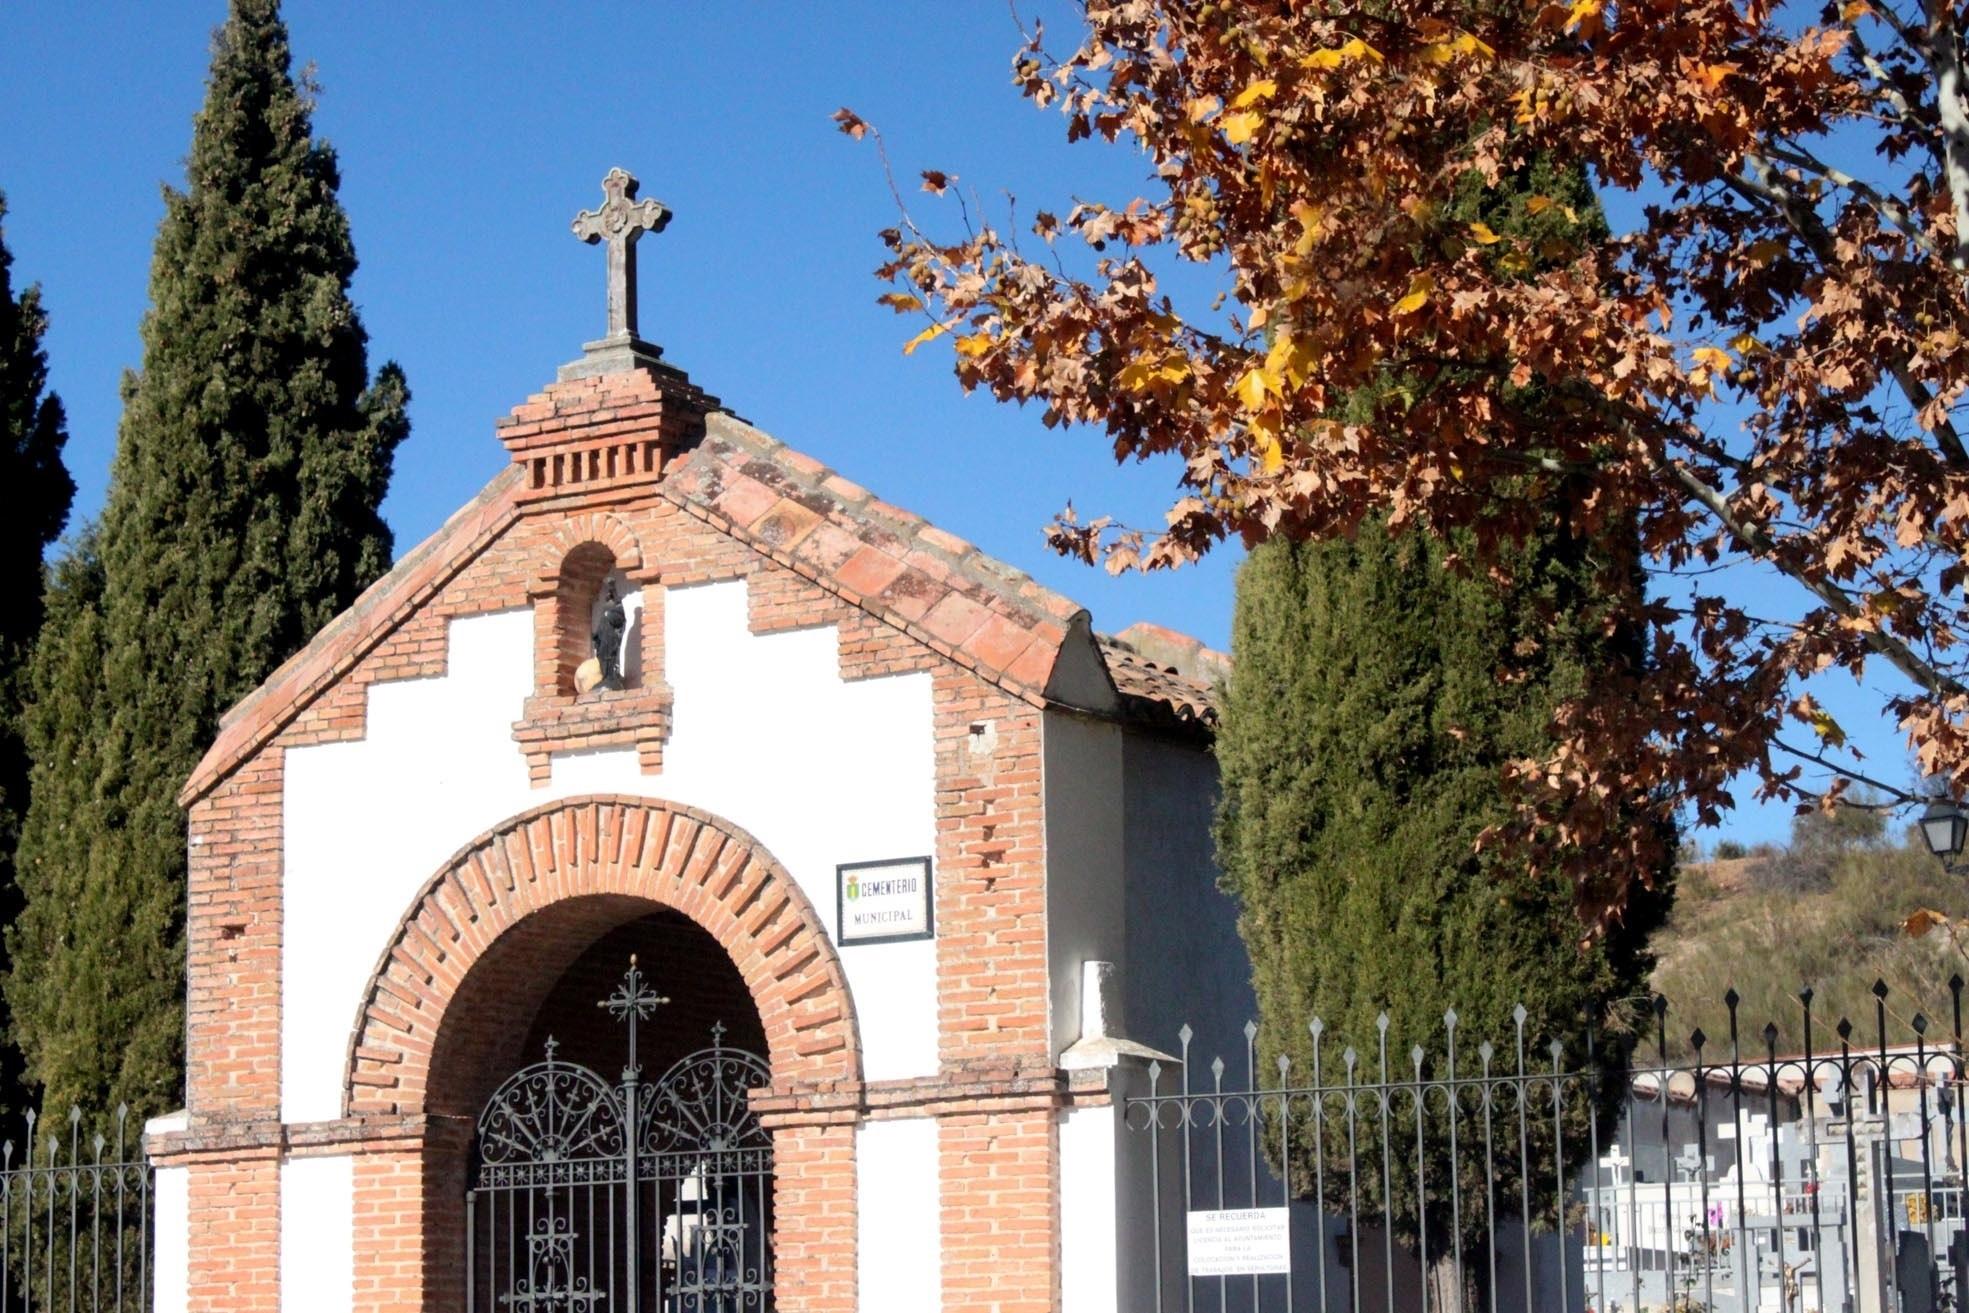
931	583
1166	677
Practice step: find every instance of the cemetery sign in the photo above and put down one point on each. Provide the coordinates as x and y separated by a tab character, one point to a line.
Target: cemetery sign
884	902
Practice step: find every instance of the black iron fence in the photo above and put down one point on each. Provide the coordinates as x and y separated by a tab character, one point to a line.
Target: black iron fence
75	1218
1633	1168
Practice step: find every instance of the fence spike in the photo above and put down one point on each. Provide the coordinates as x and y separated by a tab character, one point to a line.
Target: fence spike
1844	1029
1317	1027
1771	1033
1449	1019
74	1115
1381	1023
1217	1070
1696	1040
1484	1051
1920	1023
1250	1030
1555	1048
1518	1014
1284	1065
1350	1057
1880	989
1186	1035
1415	1056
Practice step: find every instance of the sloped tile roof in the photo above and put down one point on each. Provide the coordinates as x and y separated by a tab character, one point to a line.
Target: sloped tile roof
1166	677
940	589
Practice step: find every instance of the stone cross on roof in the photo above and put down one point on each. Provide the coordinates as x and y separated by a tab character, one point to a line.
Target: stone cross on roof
620	221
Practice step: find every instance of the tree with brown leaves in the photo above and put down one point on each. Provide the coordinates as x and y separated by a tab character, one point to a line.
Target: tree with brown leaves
1767	368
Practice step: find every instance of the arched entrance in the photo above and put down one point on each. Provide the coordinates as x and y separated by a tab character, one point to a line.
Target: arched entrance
519	938
624	1168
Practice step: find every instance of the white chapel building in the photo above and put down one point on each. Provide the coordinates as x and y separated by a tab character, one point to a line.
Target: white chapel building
865	808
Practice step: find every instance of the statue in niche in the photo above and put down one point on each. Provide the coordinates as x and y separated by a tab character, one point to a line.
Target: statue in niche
611	627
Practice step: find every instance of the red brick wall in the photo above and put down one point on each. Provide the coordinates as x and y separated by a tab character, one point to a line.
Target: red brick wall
991	875
814	1218
234	1205
232	1018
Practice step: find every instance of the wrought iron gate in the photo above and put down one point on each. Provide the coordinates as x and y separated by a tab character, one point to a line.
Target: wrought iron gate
645	1197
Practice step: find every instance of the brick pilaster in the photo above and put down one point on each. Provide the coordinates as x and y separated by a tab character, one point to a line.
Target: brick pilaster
814	1216
1000	1171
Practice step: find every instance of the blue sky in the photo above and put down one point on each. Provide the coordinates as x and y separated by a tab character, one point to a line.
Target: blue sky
469	134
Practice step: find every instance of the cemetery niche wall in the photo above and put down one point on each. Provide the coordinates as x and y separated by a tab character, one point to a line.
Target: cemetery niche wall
901	849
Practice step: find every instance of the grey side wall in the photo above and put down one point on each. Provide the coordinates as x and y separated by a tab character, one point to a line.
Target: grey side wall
1186	962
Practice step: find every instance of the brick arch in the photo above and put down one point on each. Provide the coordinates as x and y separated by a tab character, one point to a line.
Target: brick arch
511	908
598	528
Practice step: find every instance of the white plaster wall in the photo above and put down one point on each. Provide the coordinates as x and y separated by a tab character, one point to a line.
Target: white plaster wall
317	1235
1085	855
898	1230
766	734
171	1240
1088	1275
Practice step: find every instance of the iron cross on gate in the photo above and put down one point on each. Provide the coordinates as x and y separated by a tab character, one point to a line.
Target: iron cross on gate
620	221
636	1001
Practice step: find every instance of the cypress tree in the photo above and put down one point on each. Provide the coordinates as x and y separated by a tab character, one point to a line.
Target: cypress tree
33	432
1376	697
243	512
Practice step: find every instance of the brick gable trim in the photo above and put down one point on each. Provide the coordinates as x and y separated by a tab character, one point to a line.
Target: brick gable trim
607	850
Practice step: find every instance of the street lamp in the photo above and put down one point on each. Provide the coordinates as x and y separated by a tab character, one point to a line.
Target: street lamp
1944	826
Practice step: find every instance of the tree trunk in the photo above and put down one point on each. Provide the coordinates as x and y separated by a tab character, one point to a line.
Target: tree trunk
1450	1290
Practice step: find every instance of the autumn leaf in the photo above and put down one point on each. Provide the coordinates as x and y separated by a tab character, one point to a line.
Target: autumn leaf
1140	375
1442	52
900	302
1240	128
1419	289
1251	388
1710	357
974	344
1263	89
851	123
930	334
1334	57
1537	204
1271	456
1484	236
936	181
